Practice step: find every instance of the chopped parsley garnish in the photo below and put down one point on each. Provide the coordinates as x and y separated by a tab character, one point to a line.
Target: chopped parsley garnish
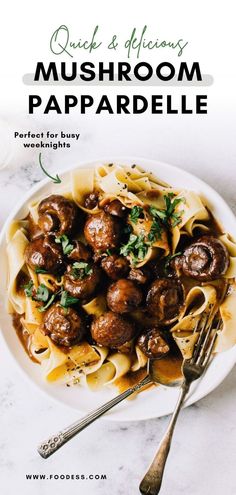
64	241
136	247
109	252
168	214
171	215
167	217
80	269
156	213
40	270
42	293
135	213
155	231
28	288
50	301
67	300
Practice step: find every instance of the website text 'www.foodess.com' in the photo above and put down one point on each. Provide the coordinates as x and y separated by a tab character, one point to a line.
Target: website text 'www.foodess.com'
66	476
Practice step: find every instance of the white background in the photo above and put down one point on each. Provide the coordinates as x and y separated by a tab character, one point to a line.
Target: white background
203	457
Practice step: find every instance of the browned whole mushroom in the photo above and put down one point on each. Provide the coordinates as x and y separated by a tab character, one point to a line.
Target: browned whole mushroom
115	266
45	254
153	344
139	275
64	326
81	282
205	259
57	214
116	208
165	299
102	231
112	330
123	296
91	200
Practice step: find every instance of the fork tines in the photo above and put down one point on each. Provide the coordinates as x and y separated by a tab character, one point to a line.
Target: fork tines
206	340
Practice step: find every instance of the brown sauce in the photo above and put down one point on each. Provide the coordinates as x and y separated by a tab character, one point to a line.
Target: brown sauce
153	194
214	226
168	369
132	378
33	229
22	335
21	280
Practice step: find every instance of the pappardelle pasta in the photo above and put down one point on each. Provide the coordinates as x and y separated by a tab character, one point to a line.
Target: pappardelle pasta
118	268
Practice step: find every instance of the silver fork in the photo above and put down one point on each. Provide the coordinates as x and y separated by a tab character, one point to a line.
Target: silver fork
192	370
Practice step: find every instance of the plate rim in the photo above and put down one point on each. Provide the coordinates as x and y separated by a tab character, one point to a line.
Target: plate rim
122	160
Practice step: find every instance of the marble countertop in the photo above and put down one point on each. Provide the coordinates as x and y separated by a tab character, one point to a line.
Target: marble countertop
203	456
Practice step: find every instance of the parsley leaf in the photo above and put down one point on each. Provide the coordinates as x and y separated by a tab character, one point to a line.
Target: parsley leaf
126	248
135	213
64	241
155	231
80	269
170	209
67	300
28	288
136	247
176	219
168	216
50	301
157	213
42	293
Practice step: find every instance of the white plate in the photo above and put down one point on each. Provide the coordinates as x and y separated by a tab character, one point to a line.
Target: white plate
152	403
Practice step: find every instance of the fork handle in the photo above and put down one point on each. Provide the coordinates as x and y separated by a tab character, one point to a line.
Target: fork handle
53	443
151	483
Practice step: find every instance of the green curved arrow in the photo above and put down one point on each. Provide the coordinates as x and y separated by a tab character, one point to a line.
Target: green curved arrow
56	179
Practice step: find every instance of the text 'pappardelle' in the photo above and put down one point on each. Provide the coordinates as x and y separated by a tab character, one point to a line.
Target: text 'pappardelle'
114	268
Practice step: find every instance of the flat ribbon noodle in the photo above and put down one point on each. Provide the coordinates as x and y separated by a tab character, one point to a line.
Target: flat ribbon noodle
184	332
116	366
82	185
15	252
97	306
140	360
230	245
191	210
227	336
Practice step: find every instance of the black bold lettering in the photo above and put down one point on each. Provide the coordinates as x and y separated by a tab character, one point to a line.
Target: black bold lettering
86	101
123	71
52	105
86	70
164	77
46	75
70	102
104	105
34	102
189	75
122	103
141	77
201	106
136	107
73	74
109	71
